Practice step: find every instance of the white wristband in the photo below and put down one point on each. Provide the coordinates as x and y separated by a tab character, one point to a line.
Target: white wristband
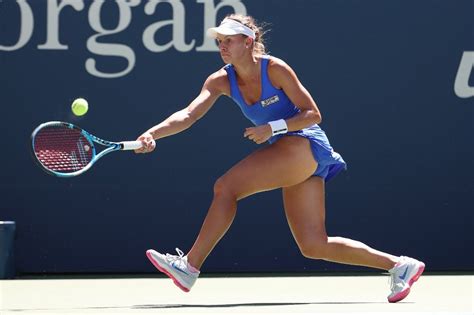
278	127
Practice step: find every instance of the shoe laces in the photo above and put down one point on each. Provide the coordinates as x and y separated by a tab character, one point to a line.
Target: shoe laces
180	257
394	279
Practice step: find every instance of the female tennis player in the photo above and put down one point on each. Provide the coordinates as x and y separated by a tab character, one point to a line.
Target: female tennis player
298	159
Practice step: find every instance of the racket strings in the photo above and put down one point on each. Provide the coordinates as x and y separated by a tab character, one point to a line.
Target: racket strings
62	149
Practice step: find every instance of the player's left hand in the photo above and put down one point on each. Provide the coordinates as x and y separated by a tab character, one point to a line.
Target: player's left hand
258	134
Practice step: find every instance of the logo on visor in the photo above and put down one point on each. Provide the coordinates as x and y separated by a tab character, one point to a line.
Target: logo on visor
270	100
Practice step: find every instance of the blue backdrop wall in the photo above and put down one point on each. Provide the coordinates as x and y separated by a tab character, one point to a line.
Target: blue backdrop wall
392	79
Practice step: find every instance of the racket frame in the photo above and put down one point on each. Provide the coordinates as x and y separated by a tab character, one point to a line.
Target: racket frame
111	147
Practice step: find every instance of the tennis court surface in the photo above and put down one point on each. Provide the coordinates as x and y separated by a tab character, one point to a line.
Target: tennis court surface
150	294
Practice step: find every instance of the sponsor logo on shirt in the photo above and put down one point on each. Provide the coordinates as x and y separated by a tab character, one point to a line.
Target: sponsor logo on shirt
270	100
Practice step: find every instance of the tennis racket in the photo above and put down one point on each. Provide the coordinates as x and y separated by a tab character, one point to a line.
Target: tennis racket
65	150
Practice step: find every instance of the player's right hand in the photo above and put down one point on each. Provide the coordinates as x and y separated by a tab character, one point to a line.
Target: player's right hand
148	143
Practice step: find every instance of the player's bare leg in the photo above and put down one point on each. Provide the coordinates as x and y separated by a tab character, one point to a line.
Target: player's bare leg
305	210
287	162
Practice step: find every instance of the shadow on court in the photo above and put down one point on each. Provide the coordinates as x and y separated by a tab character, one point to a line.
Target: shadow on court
183	306
158	306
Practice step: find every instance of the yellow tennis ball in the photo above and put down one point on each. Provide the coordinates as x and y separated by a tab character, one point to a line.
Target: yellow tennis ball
79	107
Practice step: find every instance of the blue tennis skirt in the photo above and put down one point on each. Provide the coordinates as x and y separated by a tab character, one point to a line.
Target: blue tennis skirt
330	163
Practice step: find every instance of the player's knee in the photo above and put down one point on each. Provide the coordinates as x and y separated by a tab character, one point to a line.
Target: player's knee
223	188
314	248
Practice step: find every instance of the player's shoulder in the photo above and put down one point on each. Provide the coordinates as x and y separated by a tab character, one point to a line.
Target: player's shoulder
218	81
278	65
275	61
280	72
218	75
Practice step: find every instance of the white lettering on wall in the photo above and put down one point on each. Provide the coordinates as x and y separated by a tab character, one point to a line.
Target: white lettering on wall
97	43
461	83
178	24
54	10
26	29
110	49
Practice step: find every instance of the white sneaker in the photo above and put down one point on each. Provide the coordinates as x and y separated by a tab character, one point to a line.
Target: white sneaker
175	267
403	275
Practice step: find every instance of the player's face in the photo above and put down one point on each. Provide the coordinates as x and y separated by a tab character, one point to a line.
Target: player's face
231	47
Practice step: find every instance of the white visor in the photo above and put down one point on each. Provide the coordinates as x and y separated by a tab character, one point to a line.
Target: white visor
230	27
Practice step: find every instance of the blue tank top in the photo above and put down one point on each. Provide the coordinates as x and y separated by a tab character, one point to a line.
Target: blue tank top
274	104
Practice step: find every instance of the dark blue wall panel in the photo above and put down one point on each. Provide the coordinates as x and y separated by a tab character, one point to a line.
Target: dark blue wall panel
382	72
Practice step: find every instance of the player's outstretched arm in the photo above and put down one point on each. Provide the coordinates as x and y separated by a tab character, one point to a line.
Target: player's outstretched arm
181	120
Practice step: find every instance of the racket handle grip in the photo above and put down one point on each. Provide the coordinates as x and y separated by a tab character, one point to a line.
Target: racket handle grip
131	145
